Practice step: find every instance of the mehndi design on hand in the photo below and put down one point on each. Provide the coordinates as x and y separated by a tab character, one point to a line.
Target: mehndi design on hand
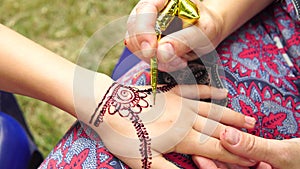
129	102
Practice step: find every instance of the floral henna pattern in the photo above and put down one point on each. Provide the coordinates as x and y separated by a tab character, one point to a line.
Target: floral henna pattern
129	102
145	146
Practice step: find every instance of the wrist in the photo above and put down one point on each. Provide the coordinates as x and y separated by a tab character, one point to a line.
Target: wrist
89	88
212	23
232	14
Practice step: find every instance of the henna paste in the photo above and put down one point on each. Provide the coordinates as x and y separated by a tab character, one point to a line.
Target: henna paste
129	102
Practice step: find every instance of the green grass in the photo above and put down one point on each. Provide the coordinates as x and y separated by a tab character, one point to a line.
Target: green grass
63	27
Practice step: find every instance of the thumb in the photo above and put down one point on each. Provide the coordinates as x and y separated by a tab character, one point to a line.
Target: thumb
249	146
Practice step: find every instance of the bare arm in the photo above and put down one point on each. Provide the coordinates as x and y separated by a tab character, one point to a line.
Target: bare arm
234	13
29	69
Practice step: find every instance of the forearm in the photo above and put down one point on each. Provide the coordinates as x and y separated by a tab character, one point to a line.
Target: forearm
29	69
234	13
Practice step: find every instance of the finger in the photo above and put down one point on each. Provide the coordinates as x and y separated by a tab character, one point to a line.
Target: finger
130	40
204	163
231	166
142	36
208	127
190	56
250	146
222	165
183	42
158	162
263	165
161	162
144	27
176	64
200	92
222	114
203	145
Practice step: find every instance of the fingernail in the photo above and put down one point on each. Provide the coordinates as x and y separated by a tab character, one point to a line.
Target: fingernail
147	49
166	52
250	120
232	136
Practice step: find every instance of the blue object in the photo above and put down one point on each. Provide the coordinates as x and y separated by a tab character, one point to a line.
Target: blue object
15	137
15	145
125	63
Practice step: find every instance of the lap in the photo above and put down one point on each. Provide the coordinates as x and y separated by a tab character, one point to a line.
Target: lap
260	80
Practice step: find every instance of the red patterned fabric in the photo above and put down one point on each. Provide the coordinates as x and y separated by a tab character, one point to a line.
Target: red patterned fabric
261	63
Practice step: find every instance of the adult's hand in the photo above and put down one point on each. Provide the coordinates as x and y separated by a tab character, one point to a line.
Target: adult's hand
172	51
268	153
207	163
218	19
